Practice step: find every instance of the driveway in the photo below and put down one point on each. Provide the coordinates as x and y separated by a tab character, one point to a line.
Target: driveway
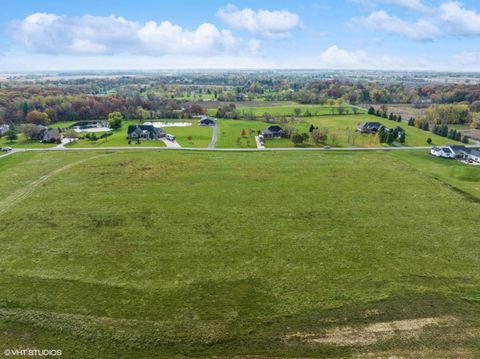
171	144
259	144
212	143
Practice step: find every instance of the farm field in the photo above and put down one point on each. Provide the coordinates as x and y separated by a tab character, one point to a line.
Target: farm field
287	110
178	254
344	127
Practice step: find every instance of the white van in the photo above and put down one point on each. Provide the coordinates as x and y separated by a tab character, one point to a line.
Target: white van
170	138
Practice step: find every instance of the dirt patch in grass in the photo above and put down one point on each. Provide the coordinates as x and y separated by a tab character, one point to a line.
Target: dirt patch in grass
371	334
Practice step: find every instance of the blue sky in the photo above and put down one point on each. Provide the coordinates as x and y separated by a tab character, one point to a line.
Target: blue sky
146	34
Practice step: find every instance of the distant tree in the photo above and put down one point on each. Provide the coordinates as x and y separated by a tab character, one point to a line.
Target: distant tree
402	137
38	118
399	118
115	120
475	106
391	117
299	138
243	133
382	135
429	141
371	110
319	136
465	139
30	131
297	111
390	137
72	134
11	135
411	121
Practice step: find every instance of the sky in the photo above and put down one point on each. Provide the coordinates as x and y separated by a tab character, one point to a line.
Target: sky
439	35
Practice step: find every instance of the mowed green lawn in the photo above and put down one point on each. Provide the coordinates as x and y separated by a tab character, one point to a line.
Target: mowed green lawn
171	254
229	131
22	142
344	128
288	110
200	135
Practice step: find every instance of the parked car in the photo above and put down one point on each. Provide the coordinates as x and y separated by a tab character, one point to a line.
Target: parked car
170	138
327	147
7	149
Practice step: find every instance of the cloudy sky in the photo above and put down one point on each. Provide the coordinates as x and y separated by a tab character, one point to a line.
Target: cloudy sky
321	34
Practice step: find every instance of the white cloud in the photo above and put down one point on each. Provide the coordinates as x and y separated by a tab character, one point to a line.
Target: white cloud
419	30
449	18
337	58
416	5
466	61
262	23
461	20
87	35
255	46
334	57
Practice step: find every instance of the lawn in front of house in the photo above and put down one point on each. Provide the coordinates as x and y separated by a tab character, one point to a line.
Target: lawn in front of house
22	142
230	133
341	132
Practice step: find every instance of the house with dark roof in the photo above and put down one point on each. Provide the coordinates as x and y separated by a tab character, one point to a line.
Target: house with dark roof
208	121
273	131
145	132
50	135
465	153
369	127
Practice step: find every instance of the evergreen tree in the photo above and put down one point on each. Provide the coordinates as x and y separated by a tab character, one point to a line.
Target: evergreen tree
382	135
390	137
391	117
399	118
371	110
402	137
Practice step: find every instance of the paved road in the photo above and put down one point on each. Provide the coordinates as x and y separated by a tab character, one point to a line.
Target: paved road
286	149
6	154
212	143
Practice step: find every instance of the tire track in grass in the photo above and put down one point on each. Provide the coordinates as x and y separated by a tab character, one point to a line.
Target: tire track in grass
26	191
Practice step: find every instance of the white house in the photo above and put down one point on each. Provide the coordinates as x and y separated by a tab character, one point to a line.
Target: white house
443	152
3	129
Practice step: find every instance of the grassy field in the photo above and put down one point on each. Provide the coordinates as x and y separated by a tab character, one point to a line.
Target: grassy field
201	136
22	142
230	130
169	254
342	126
286	110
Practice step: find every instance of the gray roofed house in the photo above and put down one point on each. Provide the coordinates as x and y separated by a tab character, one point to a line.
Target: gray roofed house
145	132
50	135
369	127
3	129
208	121
274	131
